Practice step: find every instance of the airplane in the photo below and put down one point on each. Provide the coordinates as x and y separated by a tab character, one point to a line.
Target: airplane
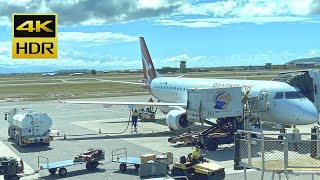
286	105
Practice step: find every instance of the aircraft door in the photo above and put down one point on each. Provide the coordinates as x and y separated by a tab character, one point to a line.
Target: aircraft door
263	101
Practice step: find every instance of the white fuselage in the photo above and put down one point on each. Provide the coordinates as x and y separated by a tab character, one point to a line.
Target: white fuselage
290	108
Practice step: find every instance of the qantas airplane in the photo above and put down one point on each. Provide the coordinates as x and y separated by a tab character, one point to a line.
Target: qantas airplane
285	104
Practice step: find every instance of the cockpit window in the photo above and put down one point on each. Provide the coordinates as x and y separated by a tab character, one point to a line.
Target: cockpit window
294	95
279	95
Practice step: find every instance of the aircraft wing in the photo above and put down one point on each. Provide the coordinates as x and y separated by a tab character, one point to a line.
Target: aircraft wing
129	104
124	82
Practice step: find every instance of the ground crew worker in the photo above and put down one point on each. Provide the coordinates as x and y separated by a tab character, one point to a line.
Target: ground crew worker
295	129
21	166
245	95
245	98
295	132
134	118
195	156
151	101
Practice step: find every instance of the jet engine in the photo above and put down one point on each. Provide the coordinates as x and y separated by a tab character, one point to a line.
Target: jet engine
177	120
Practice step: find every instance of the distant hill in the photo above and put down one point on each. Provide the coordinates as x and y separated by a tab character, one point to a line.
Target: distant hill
72	71
314	59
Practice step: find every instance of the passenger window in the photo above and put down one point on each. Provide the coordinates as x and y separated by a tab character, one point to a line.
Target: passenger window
279	95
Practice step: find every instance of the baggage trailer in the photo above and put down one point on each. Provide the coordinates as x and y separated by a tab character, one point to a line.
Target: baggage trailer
121	156
91	158
148	164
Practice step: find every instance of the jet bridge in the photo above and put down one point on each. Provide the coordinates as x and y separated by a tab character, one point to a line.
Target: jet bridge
307	81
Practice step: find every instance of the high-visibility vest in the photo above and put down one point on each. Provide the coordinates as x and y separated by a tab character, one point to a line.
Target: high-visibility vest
135	113
295	130
195	154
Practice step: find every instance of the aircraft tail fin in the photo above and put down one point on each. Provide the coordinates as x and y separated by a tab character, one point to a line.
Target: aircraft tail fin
149	70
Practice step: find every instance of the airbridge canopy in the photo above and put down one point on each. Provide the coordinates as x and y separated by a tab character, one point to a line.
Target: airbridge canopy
307	81
299	79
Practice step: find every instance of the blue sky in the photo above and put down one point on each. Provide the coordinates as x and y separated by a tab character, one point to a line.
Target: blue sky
103	34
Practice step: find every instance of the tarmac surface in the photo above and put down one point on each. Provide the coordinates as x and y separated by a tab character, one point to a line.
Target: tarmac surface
81	125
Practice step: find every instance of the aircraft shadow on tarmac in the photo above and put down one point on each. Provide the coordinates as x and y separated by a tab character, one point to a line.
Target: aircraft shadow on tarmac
135	172
222	154
30	148
130	171
74	173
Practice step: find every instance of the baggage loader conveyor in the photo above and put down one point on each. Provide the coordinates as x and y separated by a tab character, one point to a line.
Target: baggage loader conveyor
221	132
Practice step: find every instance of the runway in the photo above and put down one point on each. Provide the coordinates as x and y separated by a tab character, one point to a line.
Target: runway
81	125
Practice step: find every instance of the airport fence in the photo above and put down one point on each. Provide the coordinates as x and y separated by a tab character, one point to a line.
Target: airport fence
290	152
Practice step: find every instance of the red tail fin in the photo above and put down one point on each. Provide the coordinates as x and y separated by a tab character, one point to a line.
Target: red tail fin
148	69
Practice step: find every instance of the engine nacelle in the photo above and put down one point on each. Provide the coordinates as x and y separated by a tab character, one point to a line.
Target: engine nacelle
177	119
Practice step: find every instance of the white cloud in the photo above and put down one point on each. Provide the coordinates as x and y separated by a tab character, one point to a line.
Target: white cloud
68	59
5	47
96	37
77	12
253	8
314	52
192	13
183	57
216	22
5	21
219	13
149	3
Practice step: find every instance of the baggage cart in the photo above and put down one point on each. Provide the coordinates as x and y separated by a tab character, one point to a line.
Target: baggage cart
121	156
91	158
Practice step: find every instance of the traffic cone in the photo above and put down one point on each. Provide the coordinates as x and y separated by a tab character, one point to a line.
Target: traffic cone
64	136
99	131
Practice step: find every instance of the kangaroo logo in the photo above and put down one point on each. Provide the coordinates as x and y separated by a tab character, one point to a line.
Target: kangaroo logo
148	68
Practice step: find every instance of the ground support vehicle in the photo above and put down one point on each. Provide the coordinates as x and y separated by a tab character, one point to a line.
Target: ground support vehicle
219	133
203	171
91	158
230	110
27	126
11	169
146	115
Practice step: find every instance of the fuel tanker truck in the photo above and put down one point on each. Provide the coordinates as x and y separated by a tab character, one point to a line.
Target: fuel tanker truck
27	126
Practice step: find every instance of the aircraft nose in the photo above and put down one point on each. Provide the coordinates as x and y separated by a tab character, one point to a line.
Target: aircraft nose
310	113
